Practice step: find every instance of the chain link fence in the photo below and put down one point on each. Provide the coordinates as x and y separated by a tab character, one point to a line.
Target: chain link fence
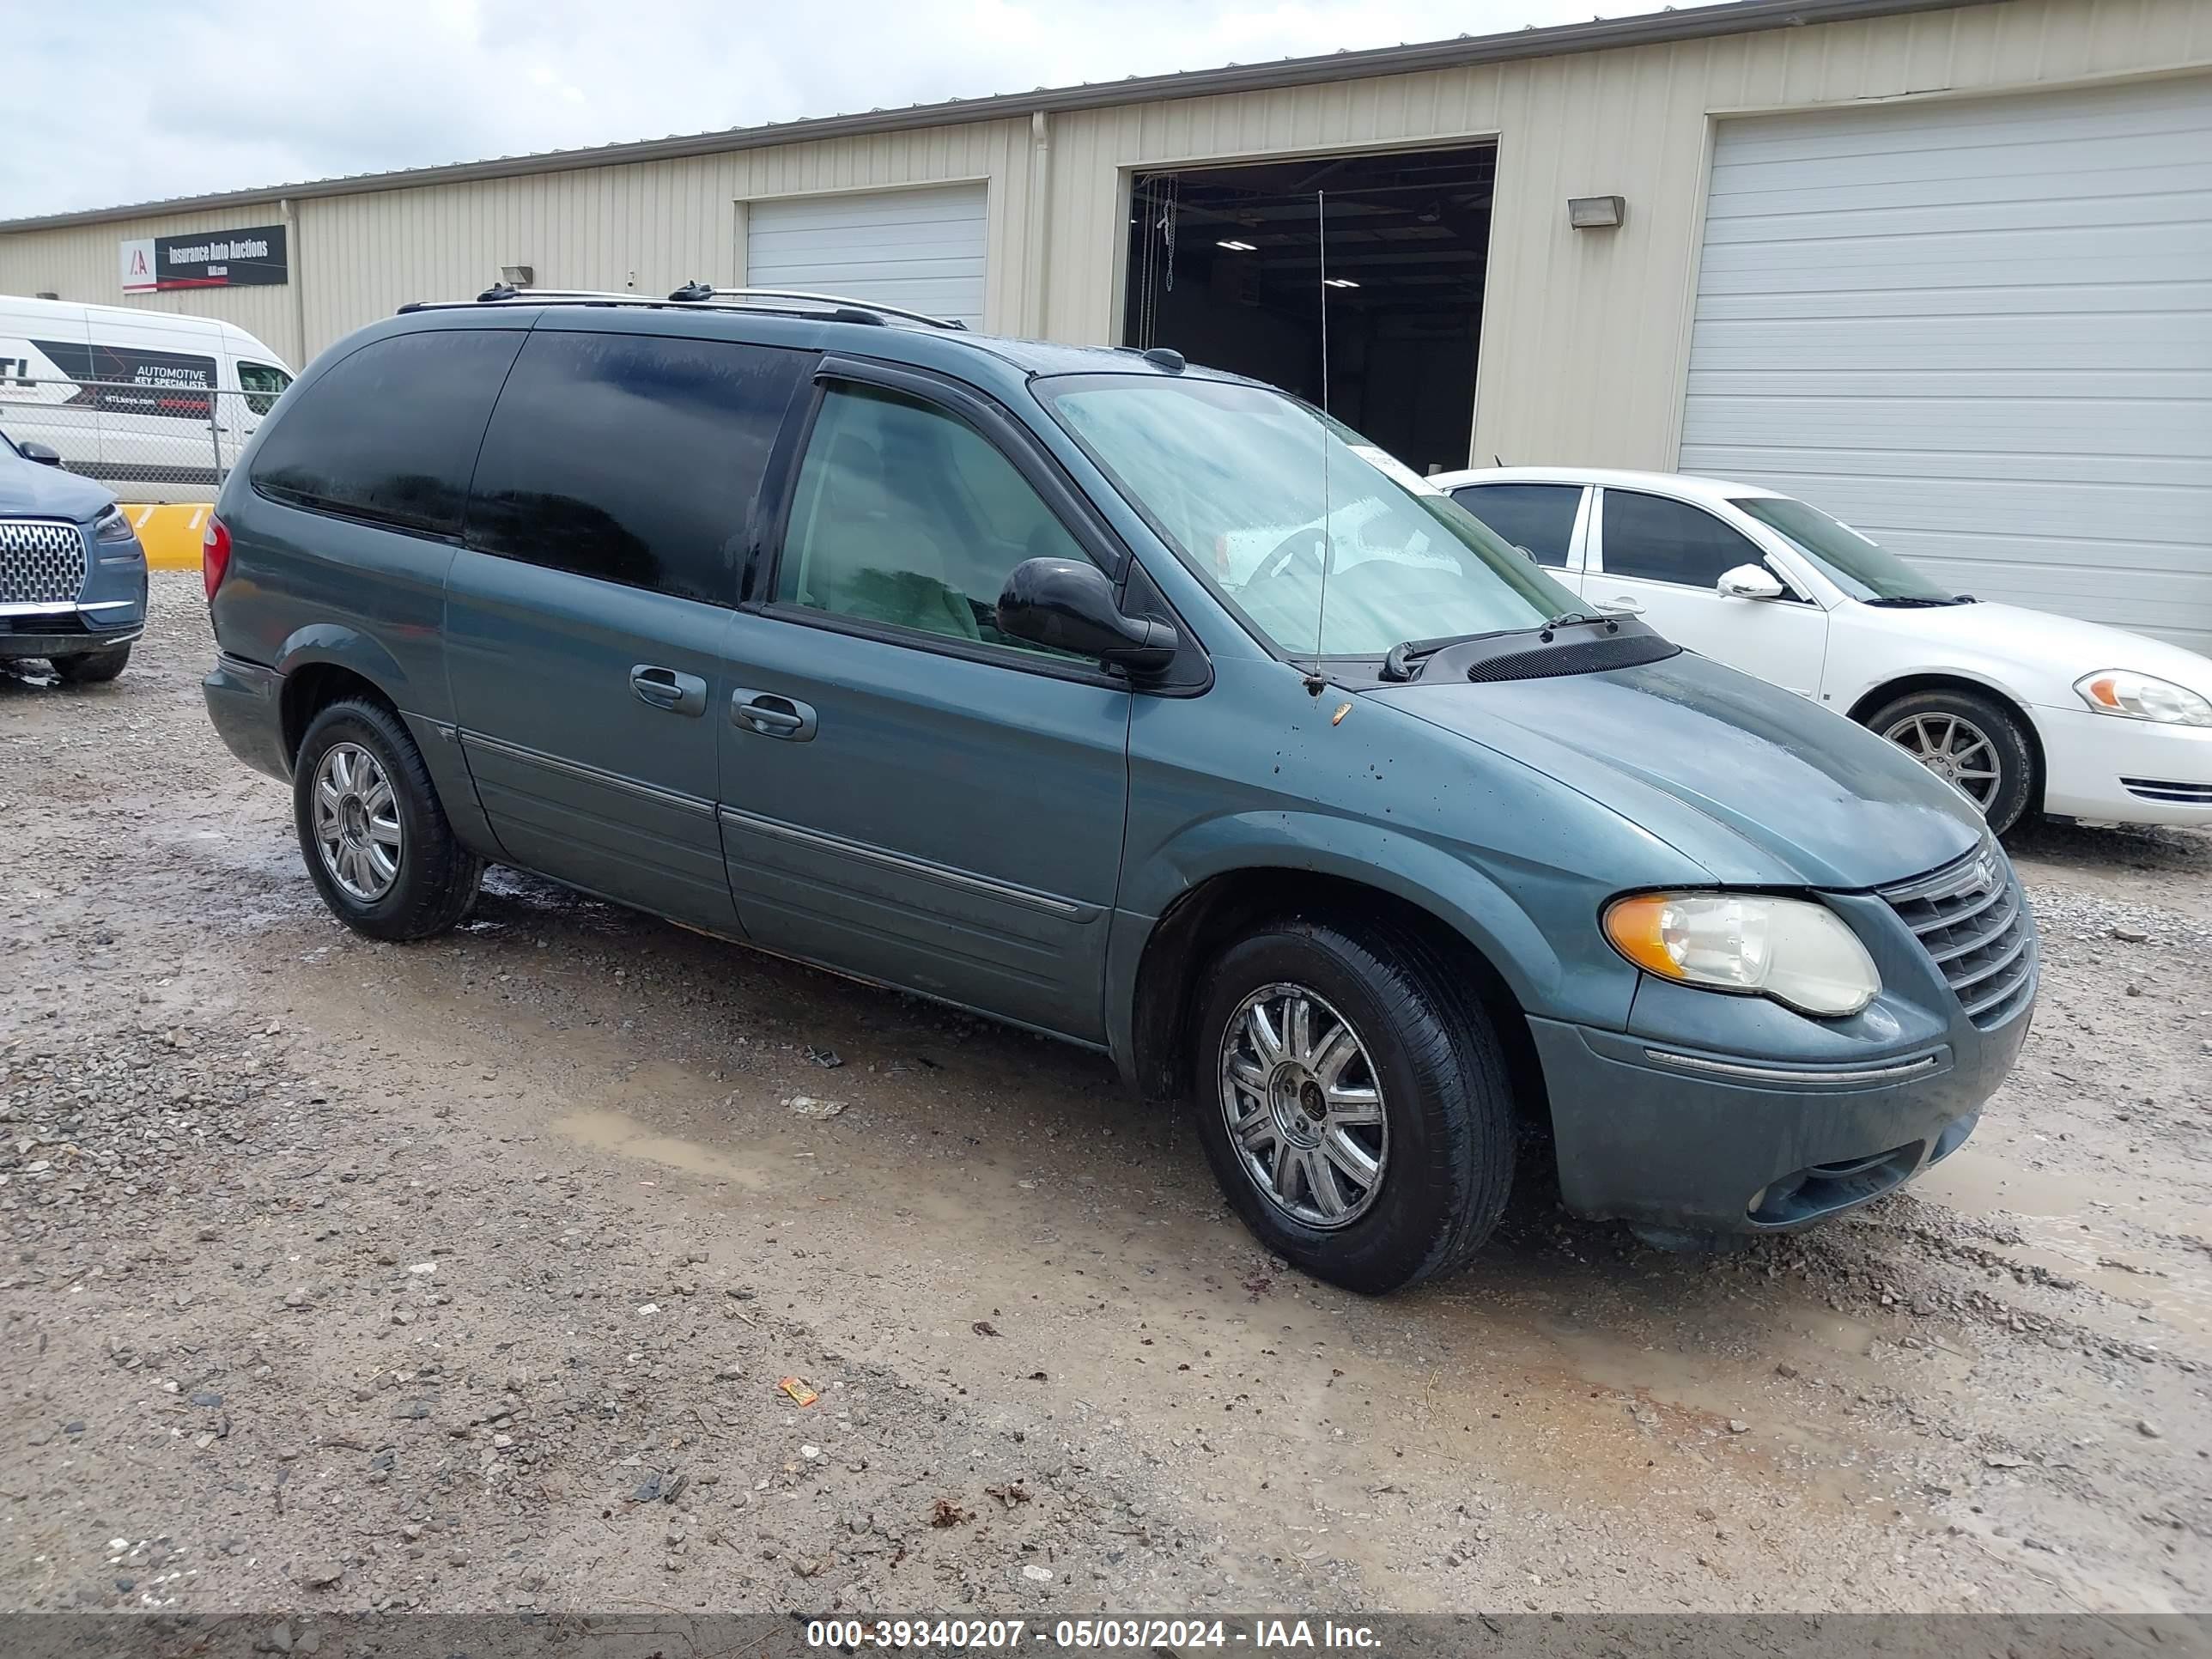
147	441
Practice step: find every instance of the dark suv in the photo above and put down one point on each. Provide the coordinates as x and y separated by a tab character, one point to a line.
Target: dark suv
1137	705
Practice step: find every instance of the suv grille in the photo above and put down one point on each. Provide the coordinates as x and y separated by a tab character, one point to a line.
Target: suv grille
1974	919
41	561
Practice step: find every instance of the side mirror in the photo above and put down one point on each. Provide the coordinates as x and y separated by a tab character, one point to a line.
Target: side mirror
44	454
1748	581
1068	604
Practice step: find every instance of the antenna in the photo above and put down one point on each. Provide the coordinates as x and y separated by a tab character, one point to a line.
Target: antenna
1315	680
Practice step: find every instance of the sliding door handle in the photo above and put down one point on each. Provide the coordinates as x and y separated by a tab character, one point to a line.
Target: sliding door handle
772	715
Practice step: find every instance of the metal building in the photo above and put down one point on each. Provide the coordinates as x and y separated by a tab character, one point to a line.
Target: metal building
1943	268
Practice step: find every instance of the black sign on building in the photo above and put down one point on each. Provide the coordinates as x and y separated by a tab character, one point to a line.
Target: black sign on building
252	258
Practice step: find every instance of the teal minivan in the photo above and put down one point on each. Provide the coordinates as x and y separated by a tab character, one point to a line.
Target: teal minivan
1131	703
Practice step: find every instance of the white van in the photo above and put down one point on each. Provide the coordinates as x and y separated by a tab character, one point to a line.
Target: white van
123	394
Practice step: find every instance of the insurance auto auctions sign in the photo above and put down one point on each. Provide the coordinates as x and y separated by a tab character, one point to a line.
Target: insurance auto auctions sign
221	259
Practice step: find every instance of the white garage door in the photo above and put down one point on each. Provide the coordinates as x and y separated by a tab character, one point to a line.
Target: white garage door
1982	332
921	250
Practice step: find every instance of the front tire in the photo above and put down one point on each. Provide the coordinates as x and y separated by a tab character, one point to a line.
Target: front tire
1969	740
92	667
371	828
1356	1108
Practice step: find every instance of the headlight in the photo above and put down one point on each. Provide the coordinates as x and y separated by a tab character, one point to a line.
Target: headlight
112	527
1797	952
2140	697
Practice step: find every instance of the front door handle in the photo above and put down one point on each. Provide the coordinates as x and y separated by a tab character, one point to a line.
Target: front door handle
664	688
1621	605
772	715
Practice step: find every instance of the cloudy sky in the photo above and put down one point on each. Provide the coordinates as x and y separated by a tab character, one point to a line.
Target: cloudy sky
126	101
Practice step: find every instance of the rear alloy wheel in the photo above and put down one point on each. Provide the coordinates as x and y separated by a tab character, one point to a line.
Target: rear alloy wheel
371	828
1353	1102
1971	743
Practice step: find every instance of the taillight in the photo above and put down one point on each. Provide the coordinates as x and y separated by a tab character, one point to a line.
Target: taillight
214	555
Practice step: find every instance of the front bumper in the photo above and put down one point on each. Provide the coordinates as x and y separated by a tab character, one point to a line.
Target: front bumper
1702	1142
109	609
2100	767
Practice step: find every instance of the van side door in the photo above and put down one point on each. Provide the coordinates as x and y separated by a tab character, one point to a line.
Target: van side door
908	793
46	371
251	391
158	378
588	610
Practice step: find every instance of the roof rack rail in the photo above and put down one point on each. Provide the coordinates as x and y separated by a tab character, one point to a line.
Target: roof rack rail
842	308
701	292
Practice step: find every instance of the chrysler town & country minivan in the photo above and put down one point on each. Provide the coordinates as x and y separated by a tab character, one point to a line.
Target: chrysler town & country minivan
925	658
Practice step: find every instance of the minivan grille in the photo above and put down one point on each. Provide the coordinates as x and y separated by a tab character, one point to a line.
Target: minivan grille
1974	919
41	561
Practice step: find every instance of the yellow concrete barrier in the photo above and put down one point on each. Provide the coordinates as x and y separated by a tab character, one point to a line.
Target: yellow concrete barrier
170	535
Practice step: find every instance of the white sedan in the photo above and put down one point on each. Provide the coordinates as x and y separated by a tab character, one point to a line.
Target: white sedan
2022	710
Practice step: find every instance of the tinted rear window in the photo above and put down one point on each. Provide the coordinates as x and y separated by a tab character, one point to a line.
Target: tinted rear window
631	458
390	432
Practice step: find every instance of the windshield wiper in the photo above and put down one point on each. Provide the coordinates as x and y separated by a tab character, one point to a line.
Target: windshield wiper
1905	601
1398	664
1404	660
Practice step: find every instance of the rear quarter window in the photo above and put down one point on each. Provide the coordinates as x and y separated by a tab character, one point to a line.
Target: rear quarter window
390	434
632	458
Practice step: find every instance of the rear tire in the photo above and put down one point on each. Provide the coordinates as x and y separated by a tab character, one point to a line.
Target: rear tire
1438	1135
92	667
376	794
1968	733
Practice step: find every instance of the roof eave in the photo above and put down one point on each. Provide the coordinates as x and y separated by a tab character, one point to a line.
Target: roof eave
1745	16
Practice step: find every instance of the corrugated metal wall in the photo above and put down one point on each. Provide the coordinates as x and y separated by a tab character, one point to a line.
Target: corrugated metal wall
85	263
1585	334
647	226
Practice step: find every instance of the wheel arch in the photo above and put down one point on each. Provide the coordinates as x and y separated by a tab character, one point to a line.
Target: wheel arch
1867	703
1213	913
324	662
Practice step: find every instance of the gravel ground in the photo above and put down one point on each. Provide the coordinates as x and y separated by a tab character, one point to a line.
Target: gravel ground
465	1276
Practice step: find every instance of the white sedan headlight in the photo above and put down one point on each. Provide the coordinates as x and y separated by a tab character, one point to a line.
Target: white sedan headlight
2140	697
1797	951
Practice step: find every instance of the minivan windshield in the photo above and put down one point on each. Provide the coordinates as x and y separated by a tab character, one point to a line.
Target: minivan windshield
1260	494
1860	567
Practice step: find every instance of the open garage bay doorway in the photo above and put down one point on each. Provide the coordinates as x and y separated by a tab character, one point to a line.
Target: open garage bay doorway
1225	267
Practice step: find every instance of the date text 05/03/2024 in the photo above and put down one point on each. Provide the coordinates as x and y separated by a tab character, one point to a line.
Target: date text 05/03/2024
1008	1635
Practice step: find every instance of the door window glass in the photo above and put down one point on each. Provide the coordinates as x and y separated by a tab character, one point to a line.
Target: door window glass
908	516
1537	516
262	384
632	458
1669	541
390	434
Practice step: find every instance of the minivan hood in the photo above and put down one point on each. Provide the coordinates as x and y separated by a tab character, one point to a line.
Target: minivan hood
35	490
1757	784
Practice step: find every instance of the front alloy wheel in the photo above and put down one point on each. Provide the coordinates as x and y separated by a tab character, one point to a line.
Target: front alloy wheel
1955	749
1352	1099
1303	1106
1972	742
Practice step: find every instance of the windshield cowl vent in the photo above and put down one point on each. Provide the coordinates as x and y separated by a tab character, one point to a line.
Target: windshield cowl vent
1628	650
